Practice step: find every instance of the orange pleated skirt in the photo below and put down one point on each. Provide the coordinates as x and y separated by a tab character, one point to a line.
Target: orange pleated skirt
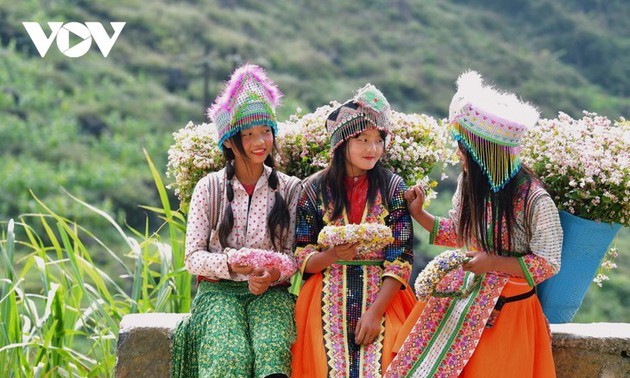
309	353
517	346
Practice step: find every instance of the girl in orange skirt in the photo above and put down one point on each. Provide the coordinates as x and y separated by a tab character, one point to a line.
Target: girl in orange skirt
484	319
354	301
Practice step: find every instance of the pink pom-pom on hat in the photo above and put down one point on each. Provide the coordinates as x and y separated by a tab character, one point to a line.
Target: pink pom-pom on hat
249	99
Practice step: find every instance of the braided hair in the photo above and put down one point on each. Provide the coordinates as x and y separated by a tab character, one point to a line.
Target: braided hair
278	221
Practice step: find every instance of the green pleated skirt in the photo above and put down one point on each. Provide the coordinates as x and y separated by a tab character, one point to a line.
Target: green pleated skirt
233	333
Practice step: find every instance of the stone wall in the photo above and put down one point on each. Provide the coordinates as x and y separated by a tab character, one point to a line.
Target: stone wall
595	350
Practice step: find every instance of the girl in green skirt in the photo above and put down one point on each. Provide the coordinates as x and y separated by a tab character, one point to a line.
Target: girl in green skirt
239	239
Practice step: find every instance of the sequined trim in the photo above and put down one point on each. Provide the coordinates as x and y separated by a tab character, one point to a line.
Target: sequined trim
348	291
334	320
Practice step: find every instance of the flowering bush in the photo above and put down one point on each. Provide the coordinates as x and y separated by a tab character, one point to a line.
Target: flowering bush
193	155
420	143
585	165
303	140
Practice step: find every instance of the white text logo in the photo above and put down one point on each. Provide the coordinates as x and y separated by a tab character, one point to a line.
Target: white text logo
61	32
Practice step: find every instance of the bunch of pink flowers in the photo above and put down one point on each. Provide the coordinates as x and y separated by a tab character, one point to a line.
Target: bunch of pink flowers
260	258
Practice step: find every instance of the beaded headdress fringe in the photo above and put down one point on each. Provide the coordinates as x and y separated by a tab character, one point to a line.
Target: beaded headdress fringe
353	127
490	123
499	163
372	111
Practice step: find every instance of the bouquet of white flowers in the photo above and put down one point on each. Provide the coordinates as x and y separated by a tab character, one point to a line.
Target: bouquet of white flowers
370	236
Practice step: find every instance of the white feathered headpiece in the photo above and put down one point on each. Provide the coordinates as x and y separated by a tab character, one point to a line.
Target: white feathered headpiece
490	123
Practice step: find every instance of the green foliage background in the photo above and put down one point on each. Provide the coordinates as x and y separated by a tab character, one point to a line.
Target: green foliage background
81	124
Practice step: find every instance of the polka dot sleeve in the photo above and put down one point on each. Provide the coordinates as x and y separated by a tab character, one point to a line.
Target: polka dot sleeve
292	188
199	261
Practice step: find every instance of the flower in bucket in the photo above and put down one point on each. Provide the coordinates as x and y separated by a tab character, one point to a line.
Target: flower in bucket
585	166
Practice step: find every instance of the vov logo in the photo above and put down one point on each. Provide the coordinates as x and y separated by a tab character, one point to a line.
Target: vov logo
61	33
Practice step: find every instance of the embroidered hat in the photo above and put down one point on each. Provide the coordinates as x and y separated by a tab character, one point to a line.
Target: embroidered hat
249	99
368	109
490	124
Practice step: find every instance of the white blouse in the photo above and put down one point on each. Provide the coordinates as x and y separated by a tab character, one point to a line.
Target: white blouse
204	254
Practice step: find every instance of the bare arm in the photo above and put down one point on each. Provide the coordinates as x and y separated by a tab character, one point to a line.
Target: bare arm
415	199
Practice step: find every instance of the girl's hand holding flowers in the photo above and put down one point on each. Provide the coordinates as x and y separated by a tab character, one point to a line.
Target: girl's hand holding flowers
365	236
251	261
347	251
415	197
479	262
260	279
240	268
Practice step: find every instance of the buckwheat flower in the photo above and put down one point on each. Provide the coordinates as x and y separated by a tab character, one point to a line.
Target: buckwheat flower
435	270
370	236
600	278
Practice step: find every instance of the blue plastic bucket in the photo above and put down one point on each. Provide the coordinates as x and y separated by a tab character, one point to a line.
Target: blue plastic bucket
584	246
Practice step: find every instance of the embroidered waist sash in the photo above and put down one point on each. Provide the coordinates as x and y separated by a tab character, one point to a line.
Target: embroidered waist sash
360	262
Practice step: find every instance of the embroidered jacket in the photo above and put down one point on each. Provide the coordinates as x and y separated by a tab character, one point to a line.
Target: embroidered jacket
397	256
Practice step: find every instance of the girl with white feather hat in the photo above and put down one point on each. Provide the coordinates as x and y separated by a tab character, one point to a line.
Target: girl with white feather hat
483	319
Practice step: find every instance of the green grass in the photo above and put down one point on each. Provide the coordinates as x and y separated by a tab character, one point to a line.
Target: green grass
60	311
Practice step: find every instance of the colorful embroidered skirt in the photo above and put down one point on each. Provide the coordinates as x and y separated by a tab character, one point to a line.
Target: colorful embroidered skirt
518	345
233	333
327	311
